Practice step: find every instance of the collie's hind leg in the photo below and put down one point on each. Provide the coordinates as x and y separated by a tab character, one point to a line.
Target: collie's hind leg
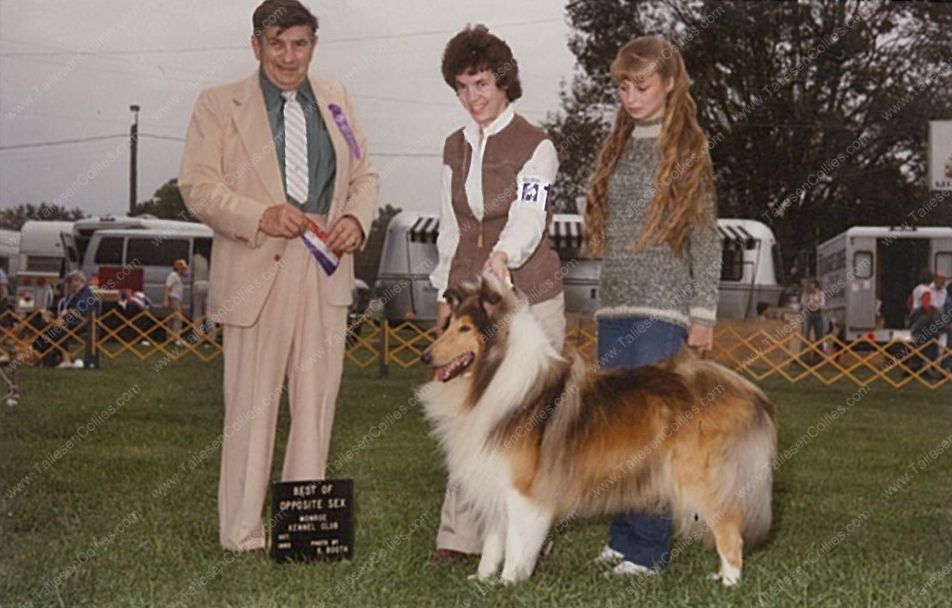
527	529
726	527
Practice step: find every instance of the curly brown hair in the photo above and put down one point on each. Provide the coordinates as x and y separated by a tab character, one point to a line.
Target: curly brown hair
473	50
685	177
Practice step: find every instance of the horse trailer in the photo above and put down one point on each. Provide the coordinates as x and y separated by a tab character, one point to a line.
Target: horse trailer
42	264
868	272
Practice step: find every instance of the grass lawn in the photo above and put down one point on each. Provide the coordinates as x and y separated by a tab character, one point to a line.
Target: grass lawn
108	482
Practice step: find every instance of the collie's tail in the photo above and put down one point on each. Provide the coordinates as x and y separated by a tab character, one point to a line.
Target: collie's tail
754	455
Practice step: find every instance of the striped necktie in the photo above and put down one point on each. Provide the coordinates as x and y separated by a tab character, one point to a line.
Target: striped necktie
295	148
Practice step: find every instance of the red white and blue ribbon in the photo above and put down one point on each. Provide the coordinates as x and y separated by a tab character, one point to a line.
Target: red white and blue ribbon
345	129
315	239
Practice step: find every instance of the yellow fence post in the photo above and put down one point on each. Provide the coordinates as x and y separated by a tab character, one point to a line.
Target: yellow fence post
382	347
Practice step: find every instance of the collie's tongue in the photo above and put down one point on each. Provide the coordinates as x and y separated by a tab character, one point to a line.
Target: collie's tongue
454	367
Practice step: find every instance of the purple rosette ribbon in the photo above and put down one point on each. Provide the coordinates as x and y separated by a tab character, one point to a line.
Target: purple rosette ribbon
345	129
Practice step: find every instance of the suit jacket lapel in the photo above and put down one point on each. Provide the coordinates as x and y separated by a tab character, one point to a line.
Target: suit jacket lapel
251	118
341	149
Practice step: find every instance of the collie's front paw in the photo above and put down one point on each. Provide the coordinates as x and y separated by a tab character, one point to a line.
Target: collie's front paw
515	576
486	579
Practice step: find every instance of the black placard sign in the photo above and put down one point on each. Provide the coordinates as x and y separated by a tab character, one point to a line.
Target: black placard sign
312	520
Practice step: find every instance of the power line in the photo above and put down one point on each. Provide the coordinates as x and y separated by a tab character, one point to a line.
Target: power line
112	69
429	102
77	118
244	47
182	139
168	137
433	32
59	51
61	142
425	102
121	52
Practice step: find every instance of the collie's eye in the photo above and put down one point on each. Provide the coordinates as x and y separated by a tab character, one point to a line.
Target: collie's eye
463	328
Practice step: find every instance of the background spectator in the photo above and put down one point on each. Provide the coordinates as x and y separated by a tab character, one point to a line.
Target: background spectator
53	345
172	297
200	292
812	302
925	319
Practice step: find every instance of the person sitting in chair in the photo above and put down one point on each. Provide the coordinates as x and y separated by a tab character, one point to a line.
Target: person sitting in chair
73	311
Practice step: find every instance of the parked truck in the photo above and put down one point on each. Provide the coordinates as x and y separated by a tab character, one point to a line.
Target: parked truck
749	273
868	272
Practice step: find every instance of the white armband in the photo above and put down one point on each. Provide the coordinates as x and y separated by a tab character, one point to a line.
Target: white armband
533	192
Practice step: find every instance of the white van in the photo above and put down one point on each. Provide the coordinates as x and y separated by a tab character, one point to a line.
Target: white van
82	231
141	258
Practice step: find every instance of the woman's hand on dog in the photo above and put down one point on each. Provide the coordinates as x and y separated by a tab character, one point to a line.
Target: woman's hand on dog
701	338
497	264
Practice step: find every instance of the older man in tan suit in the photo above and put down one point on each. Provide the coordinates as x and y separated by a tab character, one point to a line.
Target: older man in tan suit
263	155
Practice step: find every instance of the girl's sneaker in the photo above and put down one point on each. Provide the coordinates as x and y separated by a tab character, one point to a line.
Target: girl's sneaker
609	556
628	568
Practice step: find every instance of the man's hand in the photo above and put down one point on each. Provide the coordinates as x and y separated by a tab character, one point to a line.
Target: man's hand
701	338
442	314
497	265
283	220
346	234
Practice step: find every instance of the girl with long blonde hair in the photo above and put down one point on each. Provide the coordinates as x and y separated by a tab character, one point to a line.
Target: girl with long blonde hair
651	216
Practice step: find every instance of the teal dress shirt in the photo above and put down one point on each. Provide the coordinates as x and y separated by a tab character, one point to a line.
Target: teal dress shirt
321	161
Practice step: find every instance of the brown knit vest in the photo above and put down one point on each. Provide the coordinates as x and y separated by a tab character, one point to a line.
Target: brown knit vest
540	278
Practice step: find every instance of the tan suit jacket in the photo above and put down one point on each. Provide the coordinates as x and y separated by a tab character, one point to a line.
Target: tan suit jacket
230	175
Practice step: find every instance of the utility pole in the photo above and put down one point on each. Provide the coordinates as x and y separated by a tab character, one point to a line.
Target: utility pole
133	145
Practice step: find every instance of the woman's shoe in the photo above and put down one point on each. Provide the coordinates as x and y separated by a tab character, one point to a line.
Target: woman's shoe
609	556
628	568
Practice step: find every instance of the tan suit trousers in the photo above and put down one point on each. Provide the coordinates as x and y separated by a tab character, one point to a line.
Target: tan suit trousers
301	335
459	530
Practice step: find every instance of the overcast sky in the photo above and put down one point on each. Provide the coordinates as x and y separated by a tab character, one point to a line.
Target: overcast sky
70	69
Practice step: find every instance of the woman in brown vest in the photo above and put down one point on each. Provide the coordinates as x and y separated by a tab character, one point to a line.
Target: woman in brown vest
497	178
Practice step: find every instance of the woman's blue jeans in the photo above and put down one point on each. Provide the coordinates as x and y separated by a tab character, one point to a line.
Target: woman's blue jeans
643	538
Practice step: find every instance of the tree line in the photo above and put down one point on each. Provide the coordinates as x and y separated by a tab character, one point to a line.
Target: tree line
817	112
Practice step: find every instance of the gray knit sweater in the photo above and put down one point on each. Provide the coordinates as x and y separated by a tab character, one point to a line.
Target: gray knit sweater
653	282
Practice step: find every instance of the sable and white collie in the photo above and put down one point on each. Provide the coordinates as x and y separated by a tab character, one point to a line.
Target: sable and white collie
532	439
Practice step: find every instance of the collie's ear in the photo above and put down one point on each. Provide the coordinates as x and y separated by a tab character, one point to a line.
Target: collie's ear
452	297
490	293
